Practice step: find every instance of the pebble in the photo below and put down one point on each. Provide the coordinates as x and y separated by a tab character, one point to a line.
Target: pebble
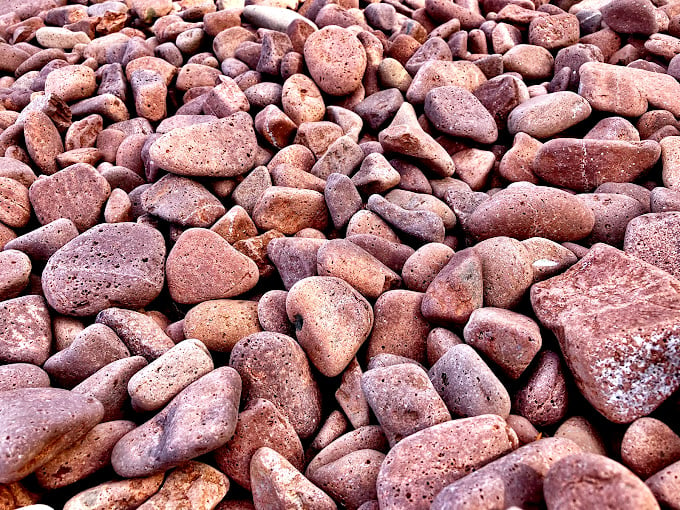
543	397
87	456
648	446
93	348
506	270
200	419
421	465
74	289
15	268
507	338
26	330
277	484
328	203
109	385
499	483
583	165
468	385
576	479
399	327
131	492
343	259
182	201
546	115
651	237
523	211
220	323
157	383
192	485
664	485
456	112
141	333
403	400
620	380
14	376
221	148
266	362
77	193
260	424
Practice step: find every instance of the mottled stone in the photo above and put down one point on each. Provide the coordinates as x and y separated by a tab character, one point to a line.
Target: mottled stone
602	333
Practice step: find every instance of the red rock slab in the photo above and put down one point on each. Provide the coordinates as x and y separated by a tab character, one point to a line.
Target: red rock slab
616	318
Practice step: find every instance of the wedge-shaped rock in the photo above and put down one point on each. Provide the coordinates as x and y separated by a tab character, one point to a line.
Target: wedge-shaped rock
198	420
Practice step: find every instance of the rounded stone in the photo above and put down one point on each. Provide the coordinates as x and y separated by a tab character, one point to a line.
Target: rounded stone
108	265
220	323
336	60
579	479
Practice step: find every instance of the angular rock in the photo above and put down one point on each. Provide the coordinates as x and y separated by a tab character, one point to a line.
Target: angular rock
602	333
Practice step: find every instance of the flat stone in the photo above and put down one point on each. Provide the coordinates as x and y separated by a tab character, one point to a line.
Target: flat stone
549	114
123	493
26	330
602	333
140	332
110	264
222	148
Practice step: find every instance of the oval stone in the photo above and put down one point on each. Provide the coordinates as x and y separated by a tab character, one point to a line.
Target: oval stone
523	211
582	165
549	114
